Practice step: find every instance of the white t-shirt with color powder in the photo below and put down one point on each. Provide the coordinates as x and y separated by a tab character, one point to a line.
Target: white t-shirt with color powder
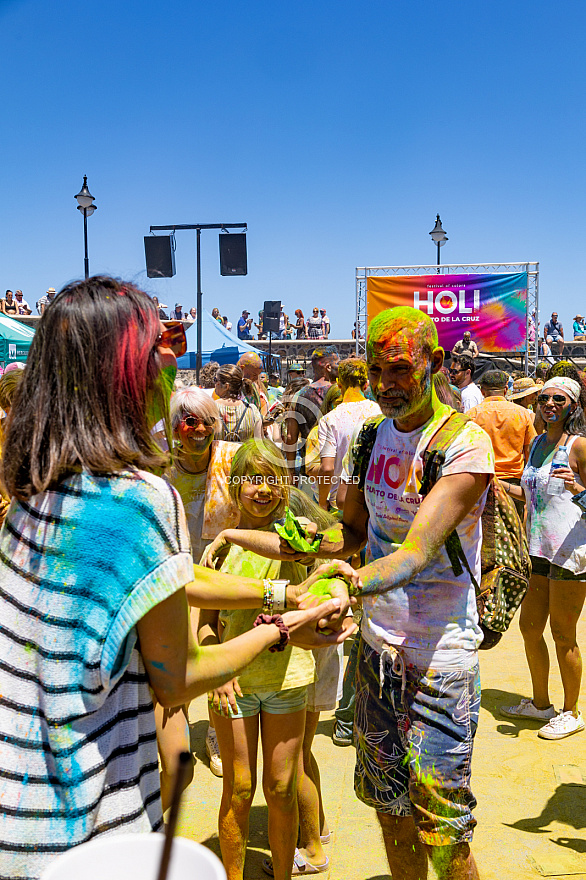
437	612
335	431
471	396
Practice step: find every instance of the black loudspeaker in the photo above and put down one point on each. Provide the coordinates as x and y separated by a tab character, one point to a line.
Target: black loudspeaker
233	254
160	256
271	316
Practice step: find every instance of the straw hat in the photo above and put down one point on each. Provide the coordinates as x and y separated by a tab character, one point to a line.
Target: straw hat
522	388
578	317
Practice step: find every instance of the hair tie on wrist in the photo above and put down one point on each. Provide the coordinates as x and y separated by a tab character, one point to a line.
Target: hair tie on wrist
283	629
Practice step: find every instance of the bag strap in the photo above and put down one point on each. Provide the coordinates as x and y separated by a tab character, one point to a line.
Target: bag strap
363	447
433	457
433	460
237	428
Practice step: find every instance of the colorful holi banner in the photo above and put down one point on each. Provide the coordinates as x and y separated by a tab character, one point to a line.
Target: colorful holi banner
491	307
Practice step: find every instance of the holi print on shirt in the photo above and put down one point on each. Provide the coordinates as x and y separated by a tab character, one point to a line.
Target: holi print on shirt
438	611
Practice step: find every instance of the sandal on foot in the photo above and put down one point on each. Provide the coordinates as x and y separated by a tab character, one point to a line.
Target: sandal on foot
301	867
325	838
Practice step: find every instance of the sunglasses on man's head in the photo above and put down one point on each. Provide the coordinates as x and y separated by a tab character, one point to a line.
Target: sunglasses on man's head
560	399
194	421
173	337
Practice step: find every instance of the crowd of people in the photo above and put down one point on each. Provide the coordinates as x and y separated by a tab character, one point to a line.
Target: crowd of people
316	326
164	539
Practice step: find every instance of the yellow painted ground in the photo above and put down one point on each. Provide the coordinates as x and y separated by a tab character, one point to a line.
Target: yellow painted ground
531	793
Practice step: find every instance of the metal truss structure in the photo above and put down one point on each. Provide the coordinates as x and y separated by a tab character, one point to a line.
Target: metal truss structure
532	305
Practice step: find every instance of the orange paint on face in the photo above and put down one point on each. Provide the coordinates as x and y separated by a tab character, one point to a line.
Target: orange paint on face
399	365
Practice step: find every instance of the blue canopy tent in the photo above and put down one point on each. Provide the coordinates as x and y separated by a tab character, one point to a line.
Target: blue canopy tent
217	343
15	340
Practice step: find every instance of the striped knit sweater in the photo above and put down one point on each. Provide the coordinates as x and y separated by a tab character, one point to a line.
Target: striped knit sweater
79	567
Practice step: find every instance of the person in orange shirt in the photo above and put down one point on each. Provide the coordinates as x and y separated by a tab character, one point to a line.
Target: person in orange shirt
510	427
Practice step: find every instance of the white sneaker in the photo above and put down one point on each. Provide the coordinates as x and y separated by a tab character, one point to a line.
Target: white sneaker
562	725
213	752
526	709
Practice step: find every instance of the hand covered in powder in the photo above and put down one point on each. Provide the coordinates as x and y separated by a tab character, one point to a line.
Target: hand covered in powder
222	698
303	631
216	552
335	579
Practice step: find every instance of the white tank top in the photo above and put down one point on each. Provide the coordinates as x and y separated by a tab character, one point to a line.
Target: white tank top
555	528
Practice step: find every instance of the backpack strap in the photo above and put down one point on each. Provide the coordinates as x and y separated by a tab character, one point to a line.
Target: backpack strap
362	449
237	428
435	453
246	406
433	461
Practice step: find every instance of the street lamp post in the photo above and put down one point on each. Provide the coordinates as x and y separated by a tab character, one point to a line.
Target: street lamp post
85	204
439	237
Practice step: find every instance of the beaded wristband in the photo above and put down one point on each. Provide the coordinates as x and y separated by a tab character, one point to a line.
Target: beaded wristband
275	595
283	628
269	596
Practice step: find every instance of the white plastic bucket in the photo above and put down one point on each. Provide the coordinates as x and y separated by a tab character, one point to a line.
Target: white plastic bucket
134	857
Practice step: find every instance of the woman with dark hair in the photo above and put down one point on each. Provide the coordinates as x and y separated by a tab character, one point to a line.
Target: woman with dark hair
94	565
557	544
8	385
9	305
568	369
241	419
207	376
161	311
300	324
315	325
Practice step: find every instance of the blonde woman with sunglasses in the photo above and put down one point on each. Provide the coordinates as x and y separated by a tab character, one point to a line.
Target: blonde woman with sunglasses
557	544
199	459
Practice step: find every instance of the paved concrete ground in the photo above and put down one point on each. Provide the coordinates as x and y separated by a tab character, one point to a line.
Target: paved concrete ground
531	793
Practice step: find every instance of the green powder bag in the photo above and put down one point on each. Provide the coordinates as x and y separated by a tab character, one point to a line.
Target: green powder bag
291	530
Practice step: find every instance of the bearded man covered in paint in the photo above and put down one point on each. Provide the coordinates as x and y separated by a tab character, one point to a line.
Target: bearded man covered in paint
418	687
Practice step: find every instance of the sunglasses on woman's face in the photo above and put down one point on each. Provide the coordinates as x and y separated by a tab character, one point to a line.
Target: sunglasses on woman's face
194	421
558	399
173	337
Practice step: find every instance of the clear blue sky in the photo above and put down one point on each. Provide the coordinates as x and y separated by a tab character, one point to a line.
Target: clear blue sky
336	130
